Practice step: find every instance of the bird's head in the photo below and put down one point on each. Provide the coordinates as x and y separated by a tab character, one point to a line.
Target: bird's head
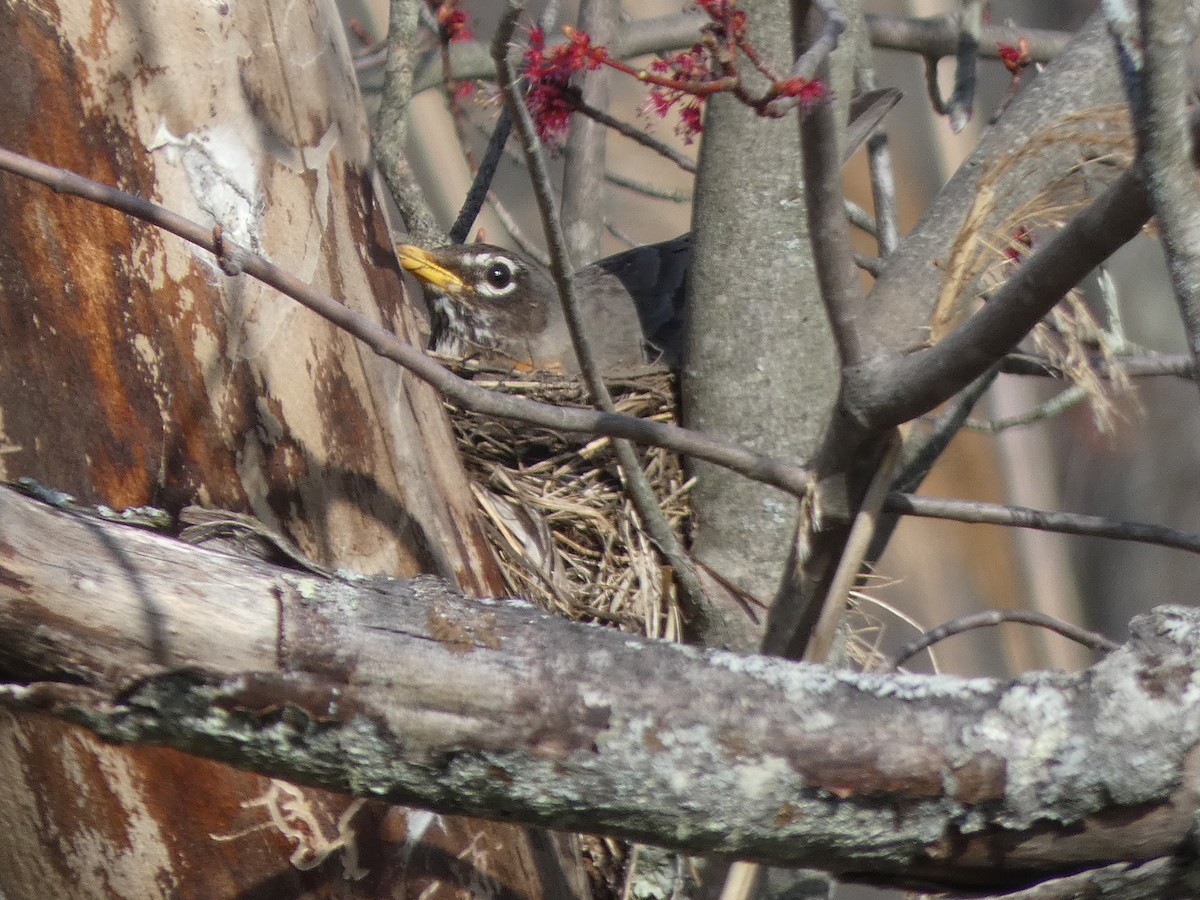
485	300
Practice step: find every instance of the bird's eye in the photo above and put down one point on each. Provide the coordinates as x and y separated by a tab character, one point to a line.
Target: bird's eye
499	274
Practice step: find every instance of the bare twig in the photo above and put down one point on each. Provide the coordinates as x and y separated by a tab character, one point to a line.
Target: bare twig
962	101
585	152
939	37
816	55
885	228
829	230
634	134
482	184
1048	409
391	130
977	512
919	454
1176	365
857	545
648	190
932	88
932	37
793	479
1090	639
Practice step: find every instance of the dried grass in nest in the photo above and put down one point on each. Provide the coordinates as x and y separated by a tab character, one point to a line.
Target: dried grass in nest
563	529
565	533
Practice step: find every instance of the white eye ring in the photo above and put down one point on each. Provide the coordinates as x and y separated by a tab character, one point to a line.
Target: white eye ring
499	277
499	274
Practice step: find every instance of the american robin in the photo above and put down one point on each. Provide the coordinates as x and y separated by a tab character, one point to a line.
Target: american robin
502	306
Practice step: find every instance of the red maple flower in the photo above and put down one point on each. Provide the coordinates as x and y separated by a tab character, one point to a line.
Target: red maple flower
803	89
1014	58
452	23
548	73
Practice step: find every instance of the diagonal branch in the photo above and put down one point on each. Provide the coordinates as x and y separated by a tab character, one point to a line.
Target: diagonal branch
638	485
391	130
885	394
237	260
829	229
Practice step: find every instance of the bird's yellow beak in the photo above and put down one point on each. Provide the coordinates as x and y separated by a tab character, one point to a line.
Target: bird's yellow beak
429	270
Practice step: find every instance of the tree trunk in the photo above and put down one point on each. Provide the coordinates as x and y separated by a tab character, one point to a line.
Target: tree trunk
134	371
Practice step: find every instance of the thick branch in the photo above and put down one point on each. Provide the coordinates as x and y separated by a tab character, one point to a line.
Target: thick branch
408	692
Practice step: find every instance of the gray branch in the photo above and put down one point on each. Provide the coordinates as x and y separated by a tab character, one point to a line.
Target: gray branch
406	691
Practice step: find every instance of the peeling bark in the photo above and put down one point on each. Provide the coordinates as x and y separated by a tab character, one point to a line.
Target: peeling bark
134	371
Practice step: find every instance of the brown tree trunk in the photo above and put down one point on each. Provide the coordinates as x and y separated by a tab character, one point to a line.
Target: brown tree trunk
133	371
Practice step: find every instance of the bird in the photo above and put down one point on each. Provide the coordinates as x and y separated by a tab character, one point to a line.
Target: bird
502	307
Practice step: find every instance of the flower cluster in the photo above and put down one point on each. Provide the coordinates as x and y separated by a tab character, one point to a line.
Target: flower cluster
679	81
682	67
548	71
452	22
1014	58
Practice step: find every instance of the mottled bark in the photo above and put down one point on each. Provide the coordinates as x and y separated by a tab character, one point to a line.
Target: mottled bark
408	691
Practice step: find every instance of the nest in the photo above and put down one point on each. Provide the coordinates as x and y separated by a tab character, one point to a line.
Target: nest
559	519
561	523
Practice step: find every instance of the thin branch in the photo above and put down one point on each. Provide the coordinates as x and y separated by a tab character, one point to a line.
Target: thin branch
793	479
829	229
885	228
816	55
938	37
636	483
924	452
962	100
1176	365
932	89
1091	639
484	176
391	130
921	452
976	512
931	37
647	190
585	153
817	647
633	133
1048	409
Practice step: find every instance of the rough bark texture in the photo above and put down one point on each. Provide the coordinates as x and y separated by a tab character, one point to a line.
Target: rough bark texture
407	691
133	371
